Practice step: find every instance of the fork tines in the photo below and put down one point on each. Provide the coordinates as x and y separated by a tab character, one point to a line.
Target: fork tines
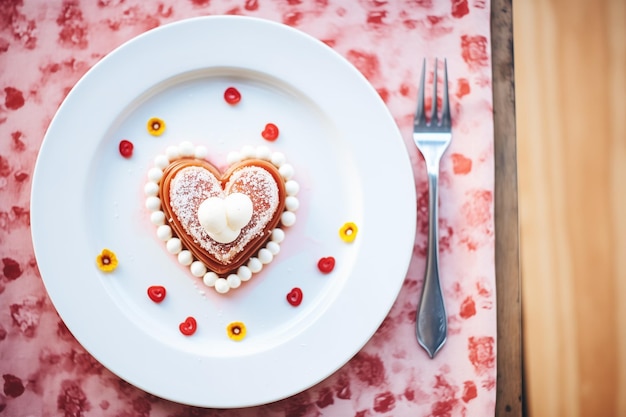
420	117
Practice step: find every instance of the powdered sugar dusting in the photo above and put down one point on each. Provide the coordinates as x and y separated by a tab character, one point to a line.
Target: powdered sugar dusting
260	183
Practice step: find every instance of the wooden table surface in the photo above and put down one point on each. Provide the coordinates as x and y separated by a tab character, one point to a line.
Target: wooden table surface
509	388
570	65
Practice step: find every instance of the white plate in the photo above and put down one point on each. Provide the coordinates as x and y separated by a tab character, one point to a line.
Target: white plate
350	161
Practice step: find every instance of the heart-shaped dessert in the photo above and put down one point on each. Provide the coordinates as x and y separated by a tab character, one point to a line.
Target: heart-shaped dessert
190	185
224	225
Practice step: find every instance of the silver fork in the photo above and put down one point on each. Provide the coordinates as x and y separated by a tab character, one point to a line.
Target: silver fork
432	139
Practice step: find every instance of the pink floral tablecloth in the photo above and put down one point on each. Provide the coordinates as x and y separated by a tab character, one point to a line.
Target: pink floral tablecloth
46	46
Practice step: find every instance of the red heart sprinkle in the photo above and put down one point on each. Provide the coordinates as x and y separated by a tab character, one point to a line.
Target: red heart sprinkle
156	293
126	148
295	297
270	132
188	327
326	264
232	95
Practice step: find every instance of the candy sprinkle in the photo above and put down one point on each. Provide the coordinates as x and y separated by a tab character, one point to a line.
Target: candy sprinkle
236	331
294	297
270	132
106	261
188	327
348	232
155	126
126	148
232	96
326	265
157	293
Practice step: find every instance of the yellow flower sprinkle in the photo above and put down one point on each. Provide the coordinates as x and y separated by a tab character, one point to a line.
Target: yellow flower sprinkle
106	261
156	126
236	330
348	232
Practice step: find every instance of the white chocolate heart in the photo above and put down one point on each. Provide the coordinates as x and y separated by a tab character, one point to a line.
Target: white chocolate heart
223	218
238	210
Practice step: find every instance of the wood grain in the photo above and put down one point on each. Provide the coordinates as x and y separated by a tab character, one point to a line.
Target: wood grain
570	62
509	384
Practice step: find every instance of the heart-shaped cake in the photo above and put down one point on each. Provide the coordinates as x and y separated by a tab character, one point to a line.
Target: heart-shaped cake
224	225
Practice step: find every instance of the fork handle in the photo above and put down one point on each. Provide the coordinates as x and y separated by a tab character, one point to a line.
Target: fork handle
432	326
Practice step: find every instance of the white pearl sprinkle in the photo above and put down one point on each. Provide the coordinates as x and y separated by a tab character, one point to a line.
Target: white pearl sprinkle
248	151
288	218
263	152
233	281
244	273
278	235
174	246
265	256
210	278
186	148
273	247
292	187
221	286
278	158
153	203
164	232
292	203
233	157
151	188
155	174
286	171
197	268
185	257
255	265
172	152
161	161
157	218
201	152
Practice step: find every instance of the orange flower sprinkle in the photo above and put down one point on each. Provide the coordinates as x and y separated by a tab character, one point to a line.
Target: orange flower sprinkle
156	126
348	232
106	261
236	330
